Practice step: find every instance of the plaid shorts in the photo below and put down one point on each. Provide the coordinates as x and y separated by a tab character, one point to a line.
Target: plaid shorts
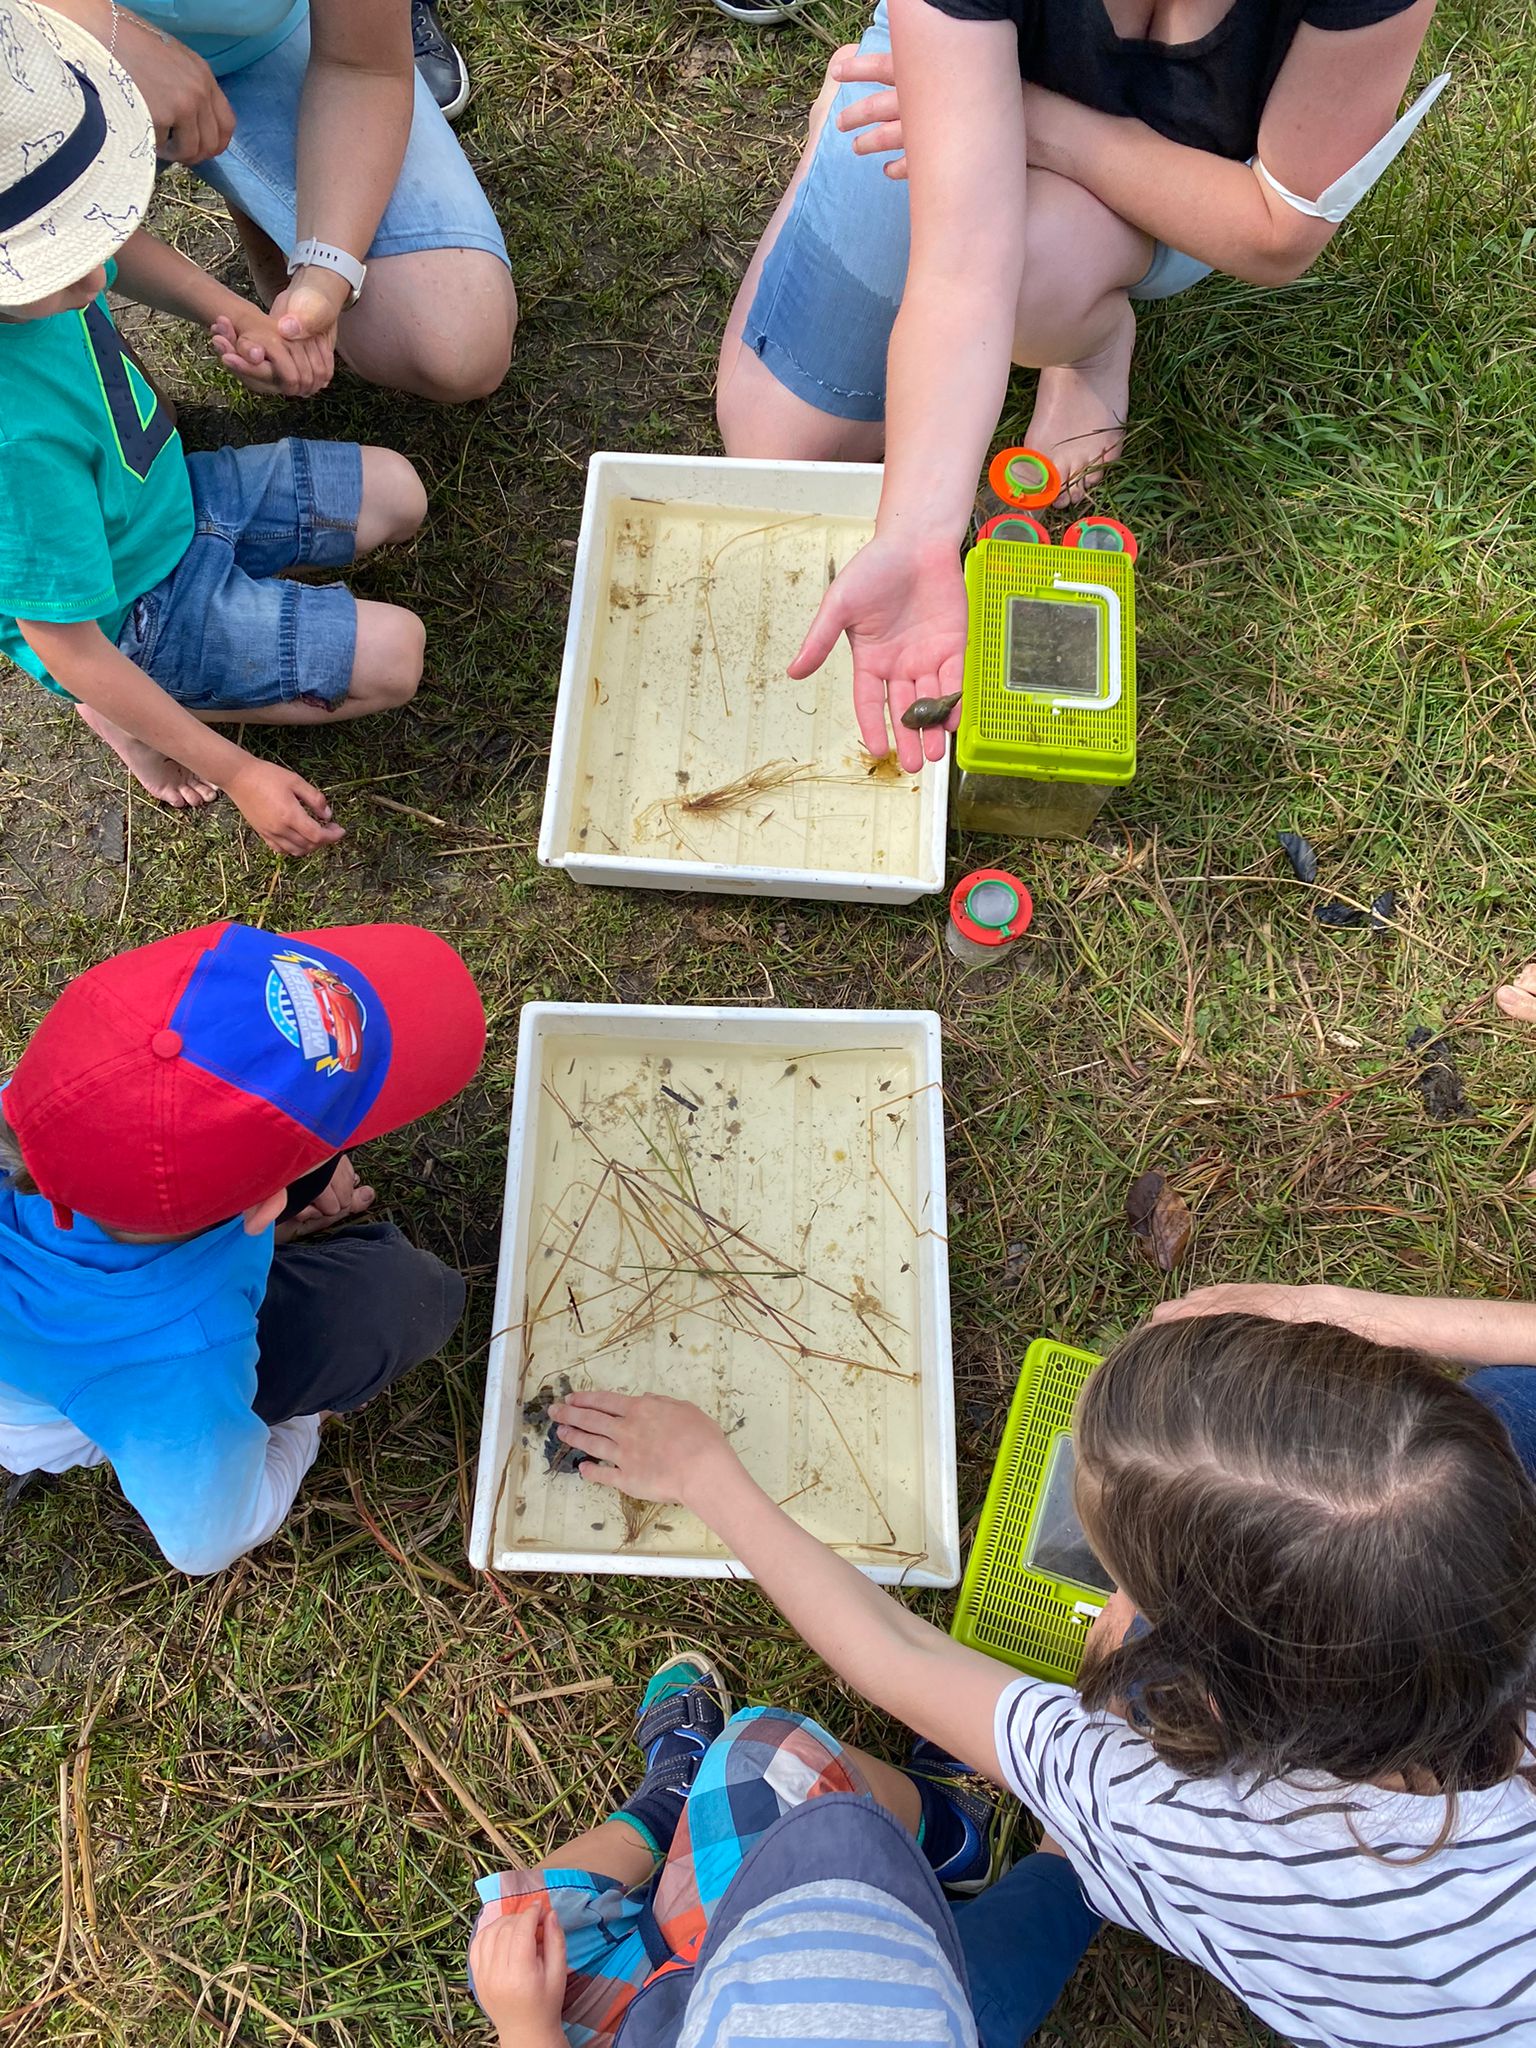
763	1765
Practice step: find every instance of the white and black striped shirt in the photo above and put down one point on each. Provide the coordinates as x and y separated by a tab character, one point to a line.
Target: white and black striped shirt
1312	1900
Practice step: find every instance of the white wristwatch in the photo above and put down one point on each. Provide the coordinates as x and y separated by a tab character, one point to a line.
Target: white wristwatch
324	257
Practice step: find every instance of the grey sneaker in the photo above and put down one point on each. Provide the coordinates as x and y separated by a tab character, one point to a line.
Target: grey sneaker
443	70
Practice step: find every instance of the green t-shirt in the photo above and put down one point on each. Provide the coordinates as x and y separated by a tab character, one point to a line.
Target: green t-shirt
95	502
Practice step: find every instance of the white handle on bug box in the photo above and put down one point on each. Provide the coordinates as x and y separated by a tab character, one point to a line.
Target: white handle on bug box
1112	606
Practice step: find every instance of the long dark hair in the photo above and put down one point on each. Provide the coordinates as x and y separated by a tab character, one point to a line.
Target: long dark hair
1334	1545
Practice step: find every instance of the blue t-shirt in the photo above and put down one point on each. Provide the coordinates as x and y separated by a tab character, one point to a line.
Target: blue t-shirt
226	34
95	500
150	1351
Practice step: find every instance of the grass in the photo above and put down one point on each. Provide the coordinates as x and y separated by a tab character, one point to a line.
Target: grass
1334	486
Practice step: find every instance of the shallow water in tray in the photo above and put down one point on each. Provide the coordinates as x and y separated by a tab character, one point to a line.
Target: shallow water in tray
735	1226
695	745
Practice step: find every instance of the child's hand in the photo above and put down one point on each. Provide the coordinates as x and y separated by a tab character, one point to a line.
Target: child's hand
289	813
645	1445
518	1963
250	347
343	1197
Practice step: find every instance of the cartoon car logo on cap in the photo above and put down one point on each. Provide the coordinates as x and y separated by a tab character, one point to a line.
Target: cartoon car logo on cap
316	1011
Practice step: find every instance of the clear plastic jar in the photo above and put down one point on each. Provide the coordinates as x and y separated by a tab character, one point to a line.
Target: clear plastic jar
988	910
1024	808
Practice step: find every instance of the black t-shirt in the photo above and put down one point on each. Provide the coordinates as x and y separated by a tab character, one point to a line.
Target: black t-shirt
1208	94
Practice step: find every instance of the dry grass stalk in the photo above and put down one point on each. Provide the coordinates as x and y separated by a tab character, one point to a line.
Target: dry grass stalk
457	1787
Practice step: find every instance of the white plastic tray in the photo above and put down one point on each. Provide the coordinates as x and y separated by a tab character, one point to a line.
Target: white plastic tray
695	582
813	1142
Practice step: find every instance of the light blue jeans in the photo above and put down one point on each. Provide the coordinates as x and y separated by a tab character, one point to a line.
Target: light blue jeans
437	201
831	288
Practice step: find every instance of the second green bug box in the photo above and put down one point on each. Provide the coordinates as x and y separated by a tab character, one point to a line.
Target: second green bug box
1048	720
1033	1587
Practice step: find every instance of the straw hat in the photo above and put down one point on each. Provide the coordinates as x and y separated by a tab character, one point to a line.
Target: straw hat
77	153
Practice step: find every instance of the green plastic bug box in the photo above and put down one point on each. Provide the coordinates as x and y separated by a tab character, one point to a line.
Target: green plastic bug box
1048	720
1033	1587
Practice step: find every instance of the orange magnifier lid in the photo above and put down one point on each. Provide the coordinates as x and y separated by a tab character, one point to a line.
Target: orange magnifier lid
1024	477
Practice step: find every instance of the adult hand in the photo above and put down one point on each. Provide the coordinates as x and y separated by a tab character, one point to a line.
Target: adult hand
1258	1298
193	120
517	1962
875	122
309	309
646	1445
902	605
343	1197
247	342
289	813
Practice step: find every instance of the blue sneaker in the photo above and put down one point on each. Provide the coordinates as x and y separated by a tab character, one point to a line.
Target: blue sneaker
683	1710
964	1830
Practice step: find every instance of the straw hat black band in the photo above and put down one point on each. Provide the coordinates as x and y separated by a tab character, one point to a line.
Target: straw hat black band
38	189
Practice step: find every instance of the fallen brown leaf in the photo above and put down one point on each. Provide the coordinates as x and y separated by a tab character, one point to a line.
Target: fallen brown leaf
1160	1218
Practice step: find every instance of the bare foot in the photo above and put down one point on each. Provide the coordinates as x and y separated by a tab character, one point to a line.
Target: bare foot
160	775
1518	998
1080	411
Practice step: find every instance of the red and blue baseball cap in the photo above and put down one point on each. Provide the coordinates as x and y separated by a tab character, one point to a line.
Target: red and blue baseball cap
179	1084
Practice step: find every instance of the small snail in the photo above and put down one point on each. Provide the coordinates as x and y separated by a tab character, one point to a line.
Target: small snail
923	712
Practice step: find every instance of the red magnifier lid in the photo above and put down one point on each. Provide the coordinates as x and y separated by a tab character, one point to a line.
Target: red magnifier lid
1023	476
1103	535
1020	526
991	906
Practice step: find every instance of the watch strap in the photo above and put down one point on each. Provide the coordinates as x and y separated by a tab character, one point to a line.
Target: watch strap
324	256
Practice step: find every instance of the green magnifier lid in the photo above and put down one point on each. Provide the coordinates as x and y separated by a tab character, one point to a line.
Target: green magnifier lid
992	904
1026	472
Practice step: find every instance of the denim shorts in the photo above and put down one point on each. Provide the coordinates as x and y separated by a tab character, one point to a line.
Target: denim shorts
226	629
831	287
437	201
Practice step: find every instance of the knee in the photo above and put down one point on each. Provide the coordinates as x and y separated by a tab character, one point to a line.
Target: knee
393	494
758	418
453	364
392	647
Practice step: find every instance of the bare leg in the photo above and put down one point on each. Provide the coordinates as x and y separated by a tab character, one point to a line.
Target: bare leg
265	261
438	323
394	502
893	1789
386	671
1075	325
613	1850
757	416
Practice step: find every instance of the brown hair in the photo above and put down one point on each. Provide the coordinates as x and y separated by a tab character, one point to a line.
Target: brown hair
13	1168
1333	1544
